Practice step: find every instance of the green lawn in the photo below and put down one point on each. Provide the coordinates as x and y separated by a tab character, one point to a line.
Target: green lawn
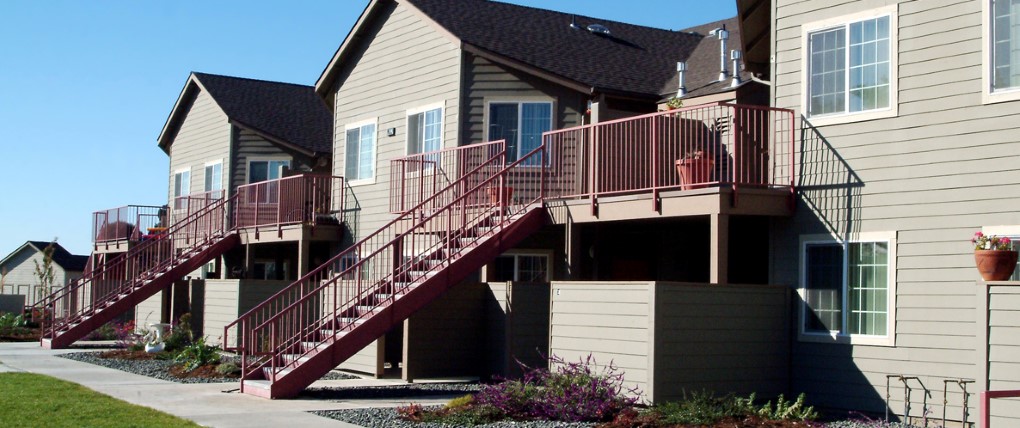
32	400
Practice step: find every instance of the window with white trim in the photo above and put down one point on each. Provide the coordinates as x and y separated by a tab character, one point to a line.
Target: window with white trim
182	183
213	176
182	187
360	152
519	268
260	170
1005	44
521	124
851	65
425	131
848	288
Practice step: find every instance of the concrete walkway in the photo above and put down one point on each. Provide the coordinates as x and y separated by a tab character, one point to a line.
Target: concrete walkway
205	404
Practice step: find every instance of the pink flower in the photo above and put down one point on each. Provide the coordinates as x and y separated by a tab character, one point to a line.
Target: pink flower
1005	240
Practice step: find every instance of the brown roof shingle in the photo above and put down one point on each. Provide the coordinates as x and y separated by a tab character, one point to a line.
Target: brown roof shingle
286	111
633	59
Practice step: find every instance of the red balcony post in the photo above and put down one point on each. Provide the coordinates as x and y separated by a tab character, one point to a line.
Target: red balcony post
654	129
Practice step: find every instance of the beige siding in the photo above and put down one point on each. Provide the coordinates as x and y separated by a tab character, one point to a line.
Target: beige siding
668	338
251	146
935	173
368	360
221	297
611	322
404	64
444	339
204	136
720	338
485	81
227	299
149	311
21	277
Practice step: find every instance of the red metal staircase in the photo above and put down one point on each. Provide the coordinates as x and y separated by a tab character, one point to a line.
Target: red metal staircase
113	288
308	328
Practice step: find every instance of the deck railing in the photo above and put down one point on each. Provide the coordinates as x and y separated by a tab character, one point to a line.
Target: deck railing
689	148
416	177
126	223
184	206
308	198
695	147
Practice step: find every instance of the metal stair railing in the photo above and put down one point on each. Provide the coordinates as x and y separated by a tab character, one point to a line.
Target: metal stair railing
143	262
374	272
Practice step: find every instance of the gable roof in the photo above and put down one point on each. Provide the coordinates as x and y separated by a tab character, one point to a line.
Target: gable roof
284	113
634	60
61	257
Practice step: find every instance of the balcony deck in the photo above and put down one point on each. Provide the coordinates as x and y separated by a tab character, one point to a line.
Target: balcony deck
307	207
722	159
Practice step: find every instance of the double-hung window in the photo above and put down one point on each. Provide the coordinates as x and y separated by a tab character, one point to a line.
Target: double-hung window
1002	50
521	124
264	170
848	289
850	65
425	131
359	154
214	179
182	188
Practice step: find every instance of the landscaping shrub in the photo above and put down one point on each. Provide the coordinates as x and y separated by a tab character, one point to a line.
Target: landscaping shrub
180	335
197	355
572	392
706	409
228	369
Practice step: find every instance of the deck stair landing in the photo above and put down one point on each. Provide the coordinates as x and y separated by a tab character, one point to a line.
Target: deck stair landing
298	335
111	289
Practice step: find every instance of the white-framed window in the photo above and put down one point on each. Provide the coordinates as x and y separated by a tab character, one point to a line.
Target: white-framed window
182	187
214	176
1013	233
1001	39
520	123
360	152
519	267
425	129
265	169
848	289
182	183
849	71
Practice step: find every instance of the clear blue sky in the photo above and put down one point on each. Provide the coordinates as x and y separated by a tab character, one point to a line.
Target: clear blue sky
85	87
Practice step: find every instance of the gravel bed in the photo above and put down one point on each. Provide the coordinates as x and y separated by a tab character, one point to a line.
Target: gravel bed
414	390
387	418
160	369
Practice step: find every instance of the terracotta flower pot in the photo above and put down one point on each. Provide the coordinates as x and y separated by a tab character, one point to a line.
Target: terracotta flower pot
995	265
694	173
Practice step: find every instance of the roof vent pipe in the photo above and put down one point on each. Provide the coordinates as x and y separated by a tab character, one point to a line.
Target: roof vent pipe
723	37
735	56
573	22
681	69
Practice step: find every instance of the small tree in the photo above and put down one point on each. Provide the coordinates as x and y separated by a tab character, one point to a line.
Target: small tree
44	271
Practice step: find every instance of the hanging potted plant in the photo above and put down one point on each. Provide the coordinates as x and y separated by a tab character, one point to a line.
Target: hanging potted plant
994	256
695	170
674	103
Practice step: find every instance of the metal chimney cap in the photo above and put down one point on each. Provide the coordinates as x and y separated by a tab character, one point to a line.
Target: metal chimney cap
681	66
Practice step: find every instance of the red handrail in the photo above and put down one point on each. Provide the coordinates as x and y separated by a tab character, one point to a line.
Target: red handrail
688	148
413	178
142	262
290	200
385	262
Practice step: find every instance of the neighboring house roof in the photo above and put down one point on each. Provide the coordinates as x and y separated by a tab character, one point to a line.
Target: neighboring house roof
634	60
61	257
703	64
284	113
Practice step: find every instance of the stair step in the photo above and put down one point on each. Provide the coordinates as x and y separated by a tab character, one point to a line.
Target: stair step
300	358
260	384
